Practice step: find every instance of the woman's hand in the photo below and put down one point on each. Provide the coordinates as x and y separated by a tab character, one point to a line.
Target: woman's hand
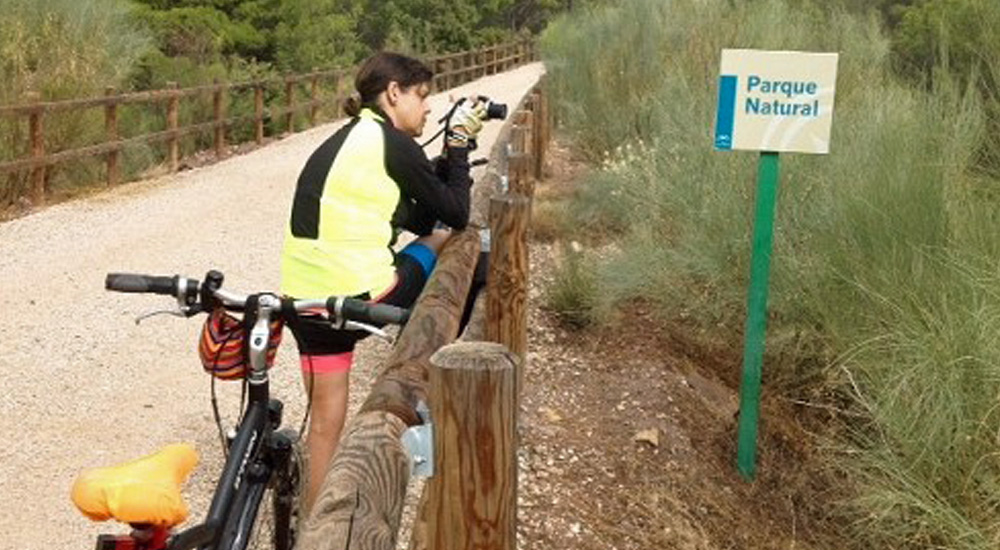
465	123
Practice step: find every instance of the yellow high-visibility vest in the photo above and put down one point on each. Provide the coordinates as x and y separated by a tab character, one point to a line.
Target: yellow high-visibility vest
350	253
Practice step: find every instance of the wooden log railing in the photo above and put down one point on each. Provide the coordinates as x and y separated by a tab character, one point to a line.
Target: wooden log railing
322	94
472	389
444	519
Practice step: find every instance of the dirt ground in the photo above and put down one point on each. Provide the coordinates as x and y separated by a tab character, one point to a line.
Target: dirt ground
628	435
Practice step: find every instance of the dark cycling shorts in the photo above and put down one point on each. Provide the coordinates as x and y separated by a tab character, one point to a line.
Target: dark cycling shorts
315	336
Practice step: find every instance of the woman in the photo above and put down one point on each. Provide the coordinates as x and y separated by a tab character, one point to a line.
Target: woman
357	191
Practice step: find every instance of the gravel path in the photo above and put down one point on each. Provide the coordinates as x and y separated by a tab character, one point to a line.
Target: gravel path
86	386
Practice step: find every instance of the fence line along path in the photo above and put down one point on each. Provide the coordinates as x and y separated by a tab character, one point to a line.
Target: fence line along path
84	385
279	114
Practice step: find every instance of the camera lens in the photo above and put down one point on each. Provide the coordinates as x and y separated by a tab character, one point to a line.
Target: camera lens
496	111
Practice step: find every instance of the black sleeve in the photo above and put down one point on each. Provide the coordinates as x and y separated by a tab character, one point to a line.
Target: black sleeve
427	194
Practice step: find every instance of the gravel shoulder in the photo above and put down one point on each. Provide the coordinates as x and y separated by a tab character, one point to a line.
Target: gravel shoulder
85	385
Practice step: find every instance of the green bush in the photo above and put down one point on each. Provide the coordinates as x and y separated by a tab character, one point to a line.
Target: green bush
963	38
573	293
884	271
61	49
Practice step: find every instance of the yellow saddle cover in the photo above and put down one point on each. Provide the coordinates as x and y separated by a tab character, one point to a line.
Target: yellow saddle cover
147	490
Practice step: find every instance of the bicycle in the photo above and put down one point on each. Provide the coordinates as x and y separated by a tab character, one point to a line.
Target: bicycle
262	465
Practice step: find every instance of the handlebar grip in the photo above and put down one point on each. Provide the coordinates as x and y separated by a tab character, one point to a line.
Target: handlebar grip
354	309
134	282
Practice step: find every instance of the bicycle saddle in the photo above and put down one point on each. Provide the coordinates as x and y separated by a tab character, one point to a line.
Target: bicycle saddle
143	491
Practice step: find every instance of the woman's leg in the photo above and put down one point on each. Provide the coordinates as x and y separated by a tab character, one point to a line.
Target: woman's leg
328	377
329	392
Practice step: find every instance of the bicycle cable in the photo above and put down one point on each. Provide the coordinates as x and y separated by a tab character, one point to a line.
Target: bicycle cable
218	420
215	400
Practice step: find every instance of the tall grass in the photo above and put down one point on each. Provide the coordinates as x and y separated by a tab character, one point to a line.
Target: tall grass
62	49
884	285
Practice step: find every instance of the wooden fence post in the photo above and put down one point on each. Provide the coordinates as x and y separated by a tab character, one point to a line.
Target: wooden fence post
314	93
219	110
36	131
338	95
111	131
290	96
473	492
519	163
173	145
258	112
538	144
507	282
436	80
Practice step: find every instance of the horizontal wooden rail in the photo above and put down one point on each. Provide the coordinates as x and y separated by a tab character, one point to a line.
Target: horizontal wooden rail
300	95
154	96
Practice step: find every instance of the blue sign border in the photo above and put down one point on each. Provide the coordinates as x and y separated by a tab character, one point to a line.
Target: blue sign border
726	113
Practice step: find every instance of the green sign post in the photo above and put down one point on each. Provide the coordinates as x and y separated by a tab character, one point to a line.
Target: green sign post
772	102
756	325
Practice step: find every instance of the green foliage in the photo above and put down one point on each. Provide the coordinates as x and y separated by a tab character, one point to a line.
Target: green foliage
293	35
962	38
61	49
65	48
316	34
573	294
885	273
959	34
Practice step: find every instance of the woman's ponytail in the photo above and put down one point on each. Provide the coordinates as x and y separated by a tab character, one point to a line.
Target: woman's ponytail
352	105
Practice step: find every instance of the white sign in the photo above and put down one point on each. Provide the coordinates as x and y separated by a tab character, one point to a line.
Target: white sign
775	101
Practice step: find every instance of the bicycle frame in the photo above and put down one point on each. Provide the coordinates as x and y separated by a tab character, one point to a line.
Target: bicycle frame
244	471
255	454
259	453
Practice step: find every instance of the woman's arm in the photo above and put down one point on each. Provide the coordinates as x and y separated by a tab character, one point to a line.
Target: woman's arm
425	193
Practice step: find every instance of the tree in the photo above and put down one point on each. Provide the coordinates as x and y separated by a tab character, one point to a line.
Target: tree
66	48
320	33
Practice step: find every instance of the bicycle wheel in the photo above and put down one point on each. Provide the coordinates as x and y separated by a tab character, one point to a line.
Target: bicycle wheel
276	523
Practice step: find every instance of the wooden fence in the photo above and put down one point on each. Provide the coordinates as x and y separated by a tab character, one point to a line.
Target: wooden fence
472	386
279	116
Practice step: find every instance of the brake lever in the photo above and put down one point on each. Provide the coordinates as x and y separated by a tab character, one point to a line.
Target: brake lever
181	311
354	325
171	312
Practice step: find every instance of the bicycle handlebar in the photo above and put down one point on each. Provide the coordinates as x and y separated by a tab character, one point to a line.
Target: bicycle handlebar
133	282
340	308
366	312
